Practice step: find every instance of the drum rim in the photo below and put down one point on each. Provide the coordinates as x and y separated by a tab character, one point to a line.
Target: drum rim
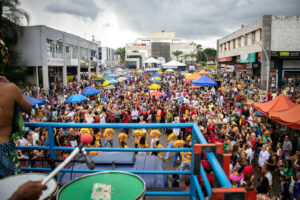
56	185
105	172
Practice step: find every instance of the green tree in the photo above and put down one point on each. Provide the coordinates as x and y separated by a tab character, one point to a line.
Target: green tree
211	53
121	52
177	54
11	16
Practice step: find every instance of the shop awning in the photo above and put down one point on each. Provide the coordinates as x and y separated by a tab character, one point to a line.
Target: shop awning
279	104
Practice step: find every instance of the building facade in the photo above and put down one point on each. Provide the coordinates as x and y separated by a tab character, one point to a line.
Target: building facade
107	57
159	45
52	55
268	47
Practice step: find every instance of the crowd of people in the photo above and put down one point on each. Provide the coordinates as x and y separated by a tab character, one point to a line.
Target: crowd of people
259	154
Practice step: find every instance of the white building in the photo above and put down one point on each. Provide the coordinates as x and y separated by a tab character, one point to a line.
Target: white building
268	47
107	57
52	55
159	45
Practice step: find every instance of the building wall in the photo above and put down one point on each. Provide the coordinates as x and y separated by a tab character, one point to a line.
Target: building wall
285	33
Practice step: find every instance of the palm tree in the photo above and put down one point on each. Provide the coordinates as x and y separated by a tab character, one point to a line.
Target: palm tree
11	17
177	54
121	52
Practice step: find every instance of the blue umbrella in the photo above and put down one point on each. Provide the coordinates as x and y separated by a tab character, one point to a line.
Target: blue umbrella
89	91
204	80
112	82
35	102
259	114
76	98
153	80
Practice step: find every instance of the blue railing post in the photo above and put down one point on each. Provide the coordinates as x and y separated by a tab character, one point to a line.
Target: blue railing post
192	183
51	143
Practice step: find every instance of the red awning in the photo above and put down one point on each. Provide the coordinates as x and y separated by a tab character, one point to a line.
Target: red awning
279	104
290	117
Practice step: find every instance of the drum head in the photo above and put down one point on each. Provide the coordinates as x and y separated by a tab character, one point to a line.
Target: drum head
10	184
105	185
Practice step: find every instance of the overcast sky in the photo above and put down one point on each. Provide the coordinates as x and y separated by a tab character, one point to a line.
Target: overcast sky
117	22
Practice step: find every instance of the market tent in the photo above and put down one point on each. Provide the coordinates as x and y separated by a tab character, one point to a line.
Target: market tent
279	104
152	60
203	72
290	117
194	76
35	102
172	63
204	80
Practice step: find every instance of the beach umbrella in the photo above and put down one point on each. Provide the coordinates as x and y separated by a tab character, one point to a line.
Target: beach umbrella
157	78
94	75
89	91
99	76
170	70
156	94
140	71
35	102
76	98
109	87
153	80
105	83
187	75
154	86
112	82
160	72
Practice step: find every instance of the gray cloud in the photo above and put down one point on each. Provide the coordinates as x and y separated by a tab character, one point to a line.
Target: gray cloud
196	19
86	9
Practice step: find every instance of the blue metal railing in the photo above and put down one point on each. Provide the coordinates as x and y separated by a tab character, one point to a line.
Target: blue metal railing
195	189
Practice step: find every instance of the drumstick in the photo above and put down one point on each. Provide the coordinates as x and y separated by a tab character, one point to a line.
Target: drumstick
62	165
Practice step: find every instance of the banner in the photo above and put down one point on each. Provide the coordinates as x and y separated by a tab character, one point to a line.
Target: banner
225	59
240	66
259	55
248	58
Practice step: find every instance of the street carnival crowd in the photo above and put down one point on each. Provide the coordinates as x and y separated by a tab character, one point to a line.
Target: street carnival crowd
261	157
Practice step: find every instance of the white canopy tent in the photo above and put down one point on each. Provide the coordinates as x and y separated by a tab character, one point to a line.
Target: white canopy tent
152	60
173	64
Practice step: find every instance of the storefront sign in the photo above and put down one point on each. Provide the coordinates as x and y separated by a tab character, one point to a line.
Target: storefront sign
284	54
55	62
259	55
170	67
248	58
225	59
240	66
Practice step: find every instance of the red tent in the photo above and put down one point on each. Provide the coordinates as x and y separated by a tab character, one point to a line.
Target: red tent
279	104
290	117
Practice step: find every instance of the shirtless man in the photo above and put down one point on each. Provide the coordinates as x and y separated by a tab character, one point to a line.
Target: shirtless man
10	95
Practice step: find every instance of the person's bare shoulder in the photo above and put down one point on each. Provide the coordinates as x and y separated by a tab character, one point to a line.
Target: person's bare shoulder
19	99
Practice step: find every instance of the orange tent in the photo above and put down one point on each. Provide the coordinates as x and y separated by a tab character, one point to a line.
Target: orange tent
290	117
194	76
203	72
279	104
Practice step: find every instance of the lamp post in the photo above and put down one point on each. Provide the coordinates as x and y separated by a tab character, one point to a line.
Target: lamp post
268	61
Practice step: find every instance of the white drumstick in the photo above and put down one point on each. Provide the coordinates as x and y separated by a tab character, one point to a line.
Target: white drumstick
62	165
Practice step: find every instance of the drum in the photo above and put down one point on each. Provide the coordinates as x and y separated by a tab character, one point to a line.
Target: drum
10	184
112	185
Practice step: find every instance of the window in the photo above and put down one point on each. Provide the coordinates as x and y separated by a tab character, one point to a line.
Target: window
245	40
240	42
233	44
253	37
228	44
74	52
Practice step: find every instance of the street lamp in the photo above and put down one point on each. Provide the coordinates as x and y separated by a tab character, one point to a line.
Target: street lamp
268	61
